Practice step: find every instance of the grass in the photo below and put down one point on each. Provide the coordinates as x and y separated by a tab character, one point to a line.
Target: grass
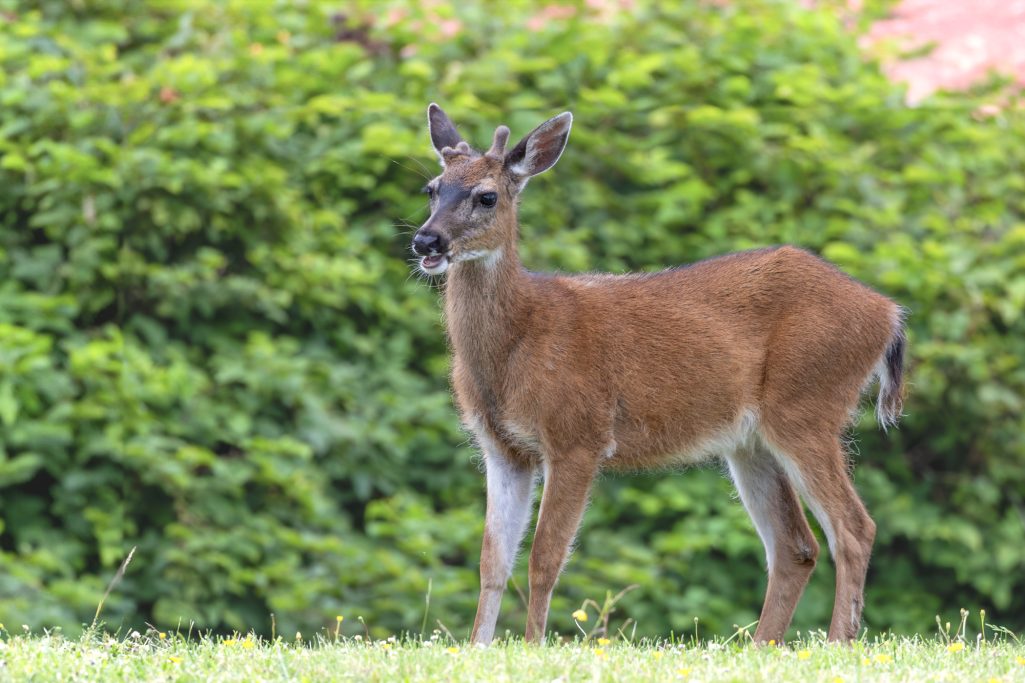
155	657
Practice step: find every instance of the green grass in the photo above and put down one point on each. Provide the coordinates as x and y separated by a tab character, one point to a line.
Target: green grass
175	657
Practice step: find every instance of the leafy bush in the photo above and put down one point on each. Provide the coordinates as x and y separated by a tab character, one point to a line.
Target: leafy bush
211	346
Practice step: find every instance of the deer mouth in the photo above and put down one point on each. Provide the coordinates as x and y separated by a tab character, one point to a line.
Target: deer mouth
435	264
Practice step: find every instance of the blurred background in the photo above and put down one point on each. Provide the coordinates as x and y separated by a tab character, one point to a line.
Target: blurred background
212	347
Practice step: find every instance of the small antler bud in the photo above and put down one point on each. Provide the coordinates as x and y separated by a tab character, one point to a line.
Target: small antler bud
497	151
460	150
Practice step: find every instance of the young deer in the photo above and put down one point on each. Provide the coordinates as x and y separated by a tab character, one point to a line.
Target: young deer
758	357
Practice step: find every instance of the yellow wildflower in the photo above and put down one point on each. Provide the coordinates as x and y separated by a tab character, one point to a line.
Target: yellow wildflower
175	660
884	659
865	661
804	654
385	646
339	619
248	643
955	647
837	679
772	643
453	650
658	654
229	642
580	615
604	641
598	652
683	672
163	636
1020	660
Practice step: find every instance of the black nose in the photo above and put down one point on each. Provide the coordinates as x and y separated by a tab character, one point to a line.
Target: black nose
425	243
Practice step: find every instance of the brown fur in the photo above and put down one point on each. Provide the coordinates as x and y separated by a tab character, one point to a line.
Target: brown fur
764	353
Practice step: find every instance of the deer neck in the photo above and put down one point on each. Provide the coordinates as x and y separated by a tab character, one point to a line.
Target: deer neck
486	301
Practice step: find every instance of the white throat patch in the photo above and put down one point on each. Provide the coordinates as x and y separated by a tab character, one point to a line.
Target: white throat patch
489	256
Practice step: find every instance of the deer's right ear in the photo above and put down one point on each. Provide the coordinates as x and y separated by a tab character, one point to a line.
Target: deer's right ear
443	131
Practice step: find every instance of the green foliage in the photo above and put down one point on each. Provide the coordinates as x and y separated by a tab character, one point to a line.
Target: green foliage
211	346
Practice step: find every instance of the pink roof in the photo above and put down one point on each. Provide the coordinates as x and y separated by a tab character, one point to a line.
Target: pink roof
972	38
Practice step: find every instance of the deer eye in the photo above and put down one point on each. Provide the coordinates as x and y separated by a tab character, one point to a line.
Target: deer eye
489	199
429	191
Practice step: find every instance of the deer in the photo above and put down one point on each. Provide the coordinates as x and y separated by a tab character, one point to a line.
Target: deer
757	358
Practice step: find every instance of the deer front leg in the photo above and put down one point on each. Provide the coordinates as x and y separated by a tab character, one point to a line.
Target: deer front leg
510	487
562	507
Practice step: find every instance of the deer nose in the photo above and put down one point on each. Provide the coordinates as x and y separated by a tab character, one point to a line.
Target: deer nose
426	243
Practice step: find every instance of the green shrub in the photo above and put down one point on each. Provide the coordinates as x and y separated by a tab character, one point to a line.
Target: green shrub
211	346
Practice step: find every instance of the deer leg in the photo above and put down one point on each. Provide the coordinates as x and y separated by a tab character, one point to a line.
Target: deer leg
818	470
790	547
567	486
510	488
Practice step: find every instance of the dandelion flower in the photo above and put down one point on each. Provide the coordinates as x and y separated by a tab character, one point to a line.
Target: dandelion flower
772	643
884	659
580	615
804	654
229	642
385	646
1020	660
683	672
248	643
175	660
339	619
604	641
162	635
452	650
658	654
955	647
865	661
598	652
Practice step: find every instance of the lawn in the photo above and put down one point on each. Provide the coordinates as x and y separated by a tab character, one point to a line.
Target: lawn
156	656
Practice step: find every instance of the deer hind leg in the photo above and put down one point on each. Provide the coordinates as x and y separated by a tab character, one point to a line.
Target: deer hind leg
567	485
818	469
790	547
510	489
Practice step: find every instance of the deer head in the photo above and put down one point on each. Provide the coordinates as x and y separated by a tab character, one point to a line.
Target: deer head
473	201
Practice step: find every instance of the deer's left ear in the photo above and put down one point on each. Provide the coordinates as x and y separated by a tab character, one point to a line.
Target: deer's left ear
541	148
443	131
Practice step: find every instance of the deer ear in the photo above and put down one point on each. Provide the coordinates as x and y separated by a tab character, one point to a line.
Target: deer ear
443	131
541	148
